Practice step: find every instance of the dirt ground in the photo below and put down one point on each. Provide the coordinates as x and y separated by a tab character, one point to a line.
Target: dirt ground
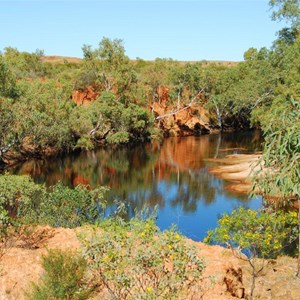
227	276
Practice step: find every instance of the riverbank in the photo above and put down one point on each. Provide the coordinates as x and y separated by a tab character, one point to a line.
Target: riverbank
226	276
172	175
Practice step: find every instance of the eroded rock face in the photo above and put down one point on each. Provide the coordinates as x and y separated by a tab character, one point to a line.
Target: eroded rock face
84	97
183	121
234	282
174	121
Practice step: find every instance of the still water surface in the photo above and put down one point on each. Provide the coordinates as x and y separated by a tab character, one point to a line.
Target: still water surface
173	176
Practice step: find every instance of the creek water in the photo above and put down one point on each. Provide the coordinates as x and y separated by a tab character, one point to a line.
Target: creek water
172	176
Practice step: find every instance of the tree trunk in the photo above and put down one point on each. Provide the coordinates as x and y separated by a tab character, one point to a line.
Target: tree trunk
253	279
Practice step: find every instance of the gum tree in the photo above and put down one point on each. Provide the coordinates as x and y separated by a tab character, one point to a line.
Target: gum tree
280	120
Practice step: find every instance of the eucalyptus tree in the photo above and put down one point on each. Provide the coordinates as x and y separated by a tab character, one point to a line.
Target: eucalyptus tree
8	94
219	81
187	85
42	118
109	68
8	80
280	119
25	64
235	92
8	137
287	10
155	75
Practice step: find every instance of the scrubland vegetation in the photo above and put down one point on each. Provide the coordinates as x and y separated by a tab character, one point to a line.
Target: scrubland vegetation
133	260
38	116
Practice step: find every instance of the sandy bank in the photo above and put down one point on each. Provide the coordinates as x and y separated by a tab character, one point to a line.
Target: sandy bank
238	169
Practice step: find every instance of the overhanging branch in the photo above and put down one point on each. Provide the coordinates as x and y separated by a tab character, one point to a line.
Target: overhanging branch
174	112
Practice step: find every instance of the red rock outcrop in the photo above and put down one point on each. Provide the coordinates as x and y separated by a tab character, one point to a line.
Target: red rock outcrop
84	97
182	121
174	121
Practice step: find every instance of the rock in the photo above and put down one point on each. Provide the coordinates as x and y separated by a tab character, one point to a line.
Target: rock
182	121
234	282
189	120
280	290
84	97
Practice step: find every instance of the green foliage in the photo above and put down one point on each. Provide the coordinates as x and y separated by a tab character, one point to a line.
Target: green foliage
281	154
112	52
8	85
288	10
125	123
24	202
66	207
258	234
24	64
119	137
250	54
37	121
87	124
154	75
19	196
109	67
64	278
220	88
8	137
280	123
84	142
85	79
187	83
47	125
143	263
88	53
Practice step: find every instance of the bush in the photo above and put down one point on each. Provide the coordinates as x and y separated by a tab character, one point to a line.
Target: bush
24	202
19	197
64	277
258	234
144	263
66	207
120	137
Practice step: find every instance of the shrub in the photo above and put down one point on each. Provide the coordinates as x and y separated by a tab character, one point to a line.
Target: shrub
120	137
254	234
64	277
24	202
144	263
19	197
66	207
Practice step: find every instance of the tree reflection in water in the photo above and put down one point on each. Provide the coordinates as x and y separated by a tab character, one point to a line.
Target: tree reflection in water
172	175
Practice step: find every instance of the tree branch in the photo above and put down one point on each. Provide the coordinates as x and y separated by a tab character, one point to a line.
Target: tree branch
181	109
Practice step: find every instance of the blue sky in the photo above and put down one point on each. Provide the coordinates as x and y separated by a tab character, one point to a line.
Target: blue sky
182	30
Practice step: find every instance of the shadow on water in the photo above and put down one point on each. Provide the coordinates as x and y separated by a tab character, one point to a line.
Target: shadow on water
173	176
